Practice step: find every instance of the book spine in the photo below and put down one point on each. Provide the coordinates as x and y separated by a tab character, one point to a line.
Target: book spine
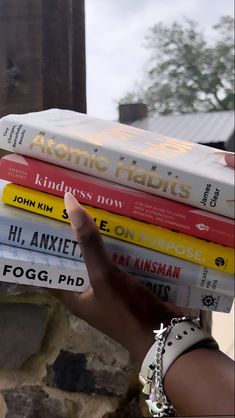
29	268
189	297
156	238
118	199
34	232
140	159
32	268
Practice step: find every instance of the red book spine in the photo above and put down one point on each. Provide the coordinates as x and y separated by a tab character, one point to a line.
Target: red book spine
118	199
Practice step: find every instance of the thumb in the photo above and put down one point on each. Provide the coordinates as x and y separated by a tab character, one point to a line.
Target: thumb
89	239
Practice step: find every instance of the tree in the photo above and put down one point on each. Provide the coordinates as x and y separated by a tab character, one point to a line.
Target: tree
185	73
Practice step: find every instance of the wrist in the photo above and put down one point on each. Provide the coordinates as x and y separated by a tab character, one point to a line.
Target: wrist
138	336
180	336
208	376
138	342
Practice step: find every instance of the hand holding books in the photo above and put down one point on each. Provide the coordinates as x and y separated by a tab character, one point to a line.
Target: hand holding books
115	303
230	160
124	309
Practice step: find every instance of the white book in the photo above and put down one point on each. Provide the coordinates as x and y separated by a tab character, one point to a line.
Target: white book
32	268
26	230
179	170
37	269
190	297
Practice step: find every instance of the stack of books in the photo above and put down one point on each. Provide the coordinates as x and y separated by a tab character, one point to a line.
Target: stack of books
165	207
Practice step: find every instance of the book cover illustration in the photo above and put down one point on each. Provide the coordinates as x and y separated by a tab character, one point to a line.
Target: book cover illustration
179	170
160	239
40	234
119	199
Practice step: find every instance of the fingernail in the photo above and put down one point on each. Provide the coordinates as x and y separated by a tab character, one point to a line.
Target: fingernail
74	210
230	160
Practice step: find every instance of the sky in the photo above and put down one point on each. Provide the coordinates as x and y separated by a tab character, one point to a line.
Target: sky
115	53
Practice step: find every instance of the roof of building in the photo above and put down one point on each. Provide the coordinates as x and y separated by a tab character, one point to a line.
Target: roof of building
195	127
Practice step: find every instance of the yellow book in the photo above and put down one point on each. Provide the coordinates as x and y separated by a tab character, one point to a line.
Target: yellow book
160	239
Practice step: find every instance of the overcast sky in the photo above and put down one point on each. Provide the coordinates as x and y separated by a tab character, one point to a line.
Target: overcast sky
115	31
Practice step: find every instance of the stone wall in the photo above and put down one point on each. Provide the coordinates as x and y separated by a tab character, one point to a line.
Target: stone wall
53	365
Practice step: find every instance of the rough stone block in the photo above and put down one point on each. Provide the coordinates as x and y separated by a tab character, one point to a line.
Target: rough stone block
132	409
22	328
32	402
70	373
102	351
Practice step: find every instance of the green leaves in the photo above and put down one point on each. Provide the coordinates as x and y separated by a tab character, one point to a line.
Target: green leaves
187	74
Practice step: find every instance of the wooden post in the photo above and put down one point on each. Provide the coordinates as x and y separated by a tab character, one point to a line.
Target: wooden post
42	55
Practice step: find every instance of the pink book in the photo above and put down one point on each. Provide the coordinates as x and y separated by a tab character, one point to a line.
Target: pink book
115	198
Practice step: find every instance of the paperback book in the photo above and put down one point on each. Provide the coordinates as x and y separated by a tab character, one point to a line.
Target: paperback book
26	267
175	169
189	297
156	238
119	199
40	234
36	269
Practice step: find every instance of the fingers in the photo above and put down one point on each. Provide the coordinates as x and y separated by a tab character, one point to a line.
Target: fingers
89	239
229	157
230	160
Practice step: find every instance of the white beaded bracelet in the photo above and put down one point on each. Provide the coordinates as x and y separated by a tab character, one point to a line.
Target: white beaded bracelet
181	335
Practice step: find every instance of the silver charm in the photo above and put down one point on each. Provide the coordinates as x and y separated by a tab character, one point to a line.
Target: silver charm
159	332
157	402
157	409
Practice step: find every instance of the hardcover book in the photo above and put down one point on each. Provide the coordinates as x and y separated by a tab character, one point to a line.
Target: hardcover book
30	268
160	239
40	234
110	196
178	170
